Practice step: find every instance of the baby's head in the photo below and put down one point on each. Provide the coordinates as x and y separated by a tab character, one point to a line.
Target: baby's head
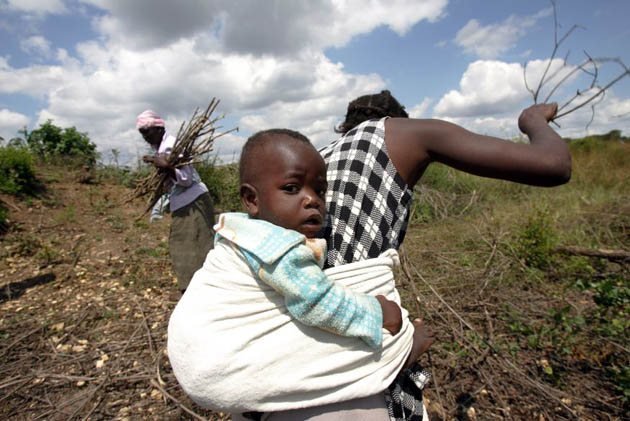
283	180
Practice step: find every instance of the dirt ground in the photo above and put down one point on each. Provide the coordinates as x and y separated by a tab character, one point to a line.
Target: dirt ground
84	306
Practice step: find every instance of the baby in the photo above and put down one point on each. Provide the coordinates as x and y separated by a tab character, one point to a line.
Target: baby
225	331
283	182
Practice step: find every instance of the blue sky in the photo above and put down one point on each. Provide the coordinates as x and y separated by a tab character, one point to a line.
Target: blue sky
96	64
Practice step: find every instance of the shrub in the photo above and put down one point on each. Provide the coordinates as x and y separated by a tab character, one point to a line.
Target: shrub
445	179
535	240
222	182
17	175
4	222
53	141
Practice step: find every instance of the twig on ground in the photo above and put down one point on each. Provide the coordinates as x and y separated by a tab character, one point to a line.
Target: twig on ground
192	413
146	326
613	255
20	339
543	388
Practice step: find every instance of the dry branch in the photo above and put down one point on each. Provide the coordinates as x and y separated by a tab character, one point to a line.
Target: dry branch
193	142
506	363
591	94
613	255
192	413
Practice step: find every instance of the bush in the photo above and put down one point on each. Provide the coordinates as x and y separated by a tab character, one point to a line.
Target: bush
449	180
53	141
17	175
535	240
124	176
4	221
222	182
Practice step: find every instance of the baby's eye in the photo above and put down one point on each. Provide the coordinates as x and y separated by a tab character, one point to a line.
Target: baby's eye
291	188
322	190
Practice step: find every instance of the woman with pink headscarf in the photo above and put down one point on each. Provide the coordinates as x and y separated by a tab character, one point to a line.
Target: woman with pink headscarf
191	235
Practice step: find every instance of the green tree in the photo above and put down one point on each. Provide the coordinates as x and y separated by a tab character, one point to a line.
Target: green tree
51	140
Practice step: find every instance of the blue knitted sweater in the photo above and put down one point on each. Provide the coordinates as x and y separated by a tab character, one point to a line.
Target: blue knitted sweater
292	265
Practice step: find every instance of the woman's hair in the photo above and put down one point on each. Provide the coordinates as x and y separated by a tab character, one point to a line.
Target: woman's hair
258	139
368	107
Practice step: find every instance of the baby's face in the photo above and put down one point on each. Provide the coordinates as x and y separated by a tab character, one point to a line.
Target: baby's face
292	186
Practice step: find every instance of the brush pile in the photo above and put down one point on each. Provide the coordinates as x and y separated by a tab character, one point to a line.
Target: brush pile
193	143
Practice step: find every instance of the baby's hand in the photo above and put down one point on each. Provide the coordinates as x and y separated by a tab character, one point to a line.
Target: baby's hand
392	317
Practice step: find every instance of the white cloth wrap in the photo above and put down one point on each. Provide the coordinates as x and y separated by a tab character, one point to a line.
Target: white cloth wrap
234	346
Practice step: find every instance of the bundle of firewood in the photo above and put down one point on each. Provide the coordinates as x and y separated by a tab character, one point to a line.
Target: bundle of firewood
193	142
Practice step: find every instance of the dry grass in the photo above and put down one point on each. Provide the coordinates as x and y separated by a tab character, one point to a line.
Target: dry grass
84	302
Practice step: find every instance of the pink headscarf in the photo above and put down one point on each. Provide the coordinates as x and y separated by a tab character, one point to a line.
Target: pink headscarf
149	118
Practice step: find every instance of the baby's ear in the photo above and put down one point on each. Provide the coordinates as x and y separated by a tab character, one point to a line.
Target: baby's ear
249	198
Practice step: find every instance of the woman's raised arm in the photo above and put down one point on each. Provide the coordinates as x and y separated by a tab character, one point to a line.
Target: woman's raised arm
414	143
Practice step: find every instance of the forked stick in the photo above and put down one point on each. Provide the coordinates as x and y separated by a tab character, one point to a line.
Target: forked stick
594	92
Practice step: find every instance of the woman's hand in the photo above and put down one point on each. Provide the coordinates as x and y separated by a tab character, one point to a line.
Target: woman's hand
158	161
423	338
535	115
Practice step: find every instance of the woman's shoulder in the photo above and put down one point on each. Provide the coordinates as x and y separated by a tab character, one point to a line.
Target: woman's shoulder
367	130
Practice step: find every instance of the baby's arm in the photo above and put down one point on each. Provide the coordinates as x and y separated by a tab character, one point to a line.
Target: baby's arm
315	300
392	316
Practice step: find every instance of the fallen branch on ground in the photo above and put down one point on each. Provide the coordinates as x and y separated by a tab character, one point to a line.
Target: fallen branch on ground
613	255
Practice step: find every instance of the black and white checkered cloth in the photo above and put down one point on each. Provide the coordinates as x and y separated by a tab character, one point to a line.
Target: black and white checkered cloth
404	395
368	201
368	210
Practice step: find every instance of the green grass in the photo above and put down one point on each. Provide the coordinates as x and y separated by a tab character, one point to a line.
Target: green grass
488	248
569	310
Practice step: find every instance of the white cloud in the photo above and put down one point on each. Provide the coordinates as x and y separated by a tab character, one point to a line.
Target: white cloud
487	87
611	113
505	127
490	87
228	147
419	110
318	116
36	45
264	61
36	80
489	42
558	78
11	122
276	27
398	15
305	93
39	7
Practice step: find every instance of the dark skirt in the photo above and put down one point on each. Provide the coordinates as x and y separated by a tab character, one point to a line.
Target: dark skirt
191	238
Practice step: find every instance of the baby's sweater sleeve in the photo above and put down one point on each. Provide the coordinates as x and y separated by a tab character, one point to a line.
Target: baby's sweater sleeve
315	300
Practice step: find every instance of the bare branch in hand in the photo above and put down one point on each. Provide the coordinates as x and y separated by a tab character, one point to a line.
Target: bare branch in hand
591	94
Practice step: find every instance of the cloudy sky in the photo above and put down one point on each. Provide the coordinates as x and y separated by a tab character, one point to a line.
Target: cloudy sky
96	64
